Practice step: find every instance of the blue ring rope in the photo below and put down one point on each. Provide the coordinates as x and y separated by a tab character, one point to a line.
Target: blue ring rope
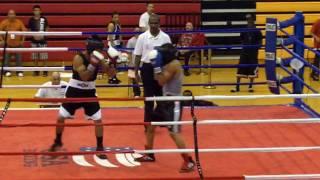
298	78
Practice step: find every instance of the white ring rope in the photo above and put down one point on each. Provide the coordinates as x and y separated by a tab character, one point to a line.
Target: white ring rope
233	150
31	86
44	49
31	33
223	97
282	177
254	121
34	68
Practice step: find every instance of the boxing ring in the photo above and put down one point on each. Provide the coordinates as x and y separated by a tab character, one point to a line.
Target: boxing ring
235	142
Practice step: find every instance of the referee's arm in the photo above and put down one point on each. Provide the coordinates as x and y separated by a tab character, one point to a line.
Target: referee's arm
138	55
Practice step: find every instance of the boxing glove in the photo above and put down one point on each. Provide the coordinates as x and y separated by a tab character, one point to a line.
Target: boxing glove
156	61
95	59
113	55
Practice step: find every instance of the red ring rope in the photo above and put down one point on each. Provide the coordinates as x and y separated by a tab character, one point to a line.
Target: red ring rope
10	125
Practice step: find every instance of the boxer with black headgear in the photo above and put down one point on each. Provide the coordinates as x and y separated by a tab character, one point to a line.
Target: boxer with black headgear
82	85
169	74
168	52
94	43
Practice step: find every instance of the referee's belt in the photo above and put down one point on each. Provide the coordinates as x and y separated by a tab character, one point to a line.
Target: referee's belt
82	84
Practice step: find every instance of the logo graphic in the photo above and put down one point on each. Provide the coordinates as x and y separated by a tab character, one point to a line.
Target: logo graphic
83	85
124	156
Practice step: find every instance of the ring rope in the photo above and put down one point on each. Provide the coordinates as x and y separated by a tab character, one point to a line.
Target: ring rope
202	122
301	59
195	138
129	85
66	68
3	57
166	151
5	110
298	78
78	33
164	98
63	49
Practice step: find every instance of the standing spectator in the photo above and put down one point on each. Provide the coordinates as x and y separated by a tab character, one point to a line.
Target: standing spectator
38	23
187	40
144	18
13	41
114	40
131	44
315	32
249	55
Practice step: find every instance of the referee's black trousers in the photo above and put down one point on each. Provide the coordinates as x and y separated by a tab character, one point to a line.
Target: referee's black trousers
151	88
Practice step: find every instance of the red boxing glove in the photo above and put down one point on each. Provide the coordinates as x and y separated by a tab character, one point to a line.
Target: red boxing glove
95	60
96	57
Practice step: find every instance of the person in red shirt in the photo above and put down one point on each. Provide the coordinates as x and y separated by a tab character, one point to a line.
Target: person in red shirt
187	40
315	32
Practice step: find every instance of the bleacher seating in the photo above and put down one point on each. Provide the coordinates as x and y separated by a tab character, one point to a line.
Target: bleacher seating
93	16
285	10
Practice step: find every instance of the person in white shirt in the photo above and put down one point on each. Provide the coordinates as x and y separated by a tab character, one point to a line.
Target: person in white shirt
146	42
131	75
52	92
144	18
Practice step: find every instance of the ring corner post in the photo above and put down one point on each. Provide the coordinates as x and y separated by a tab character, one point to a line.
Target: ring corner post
299	49
271	55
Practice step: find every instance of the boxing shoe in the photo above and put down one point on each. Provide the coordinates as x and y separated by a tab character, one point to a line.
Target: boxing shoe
187	166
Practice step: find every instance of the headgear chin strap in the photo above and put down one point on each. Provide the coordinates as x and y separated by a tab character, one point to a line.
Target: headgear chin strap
168	52
94	43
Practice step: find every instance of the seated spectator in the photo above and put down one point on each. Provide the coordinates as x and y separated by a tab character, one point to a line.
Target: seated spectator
187	40
13	41
196	102
52	92
131	74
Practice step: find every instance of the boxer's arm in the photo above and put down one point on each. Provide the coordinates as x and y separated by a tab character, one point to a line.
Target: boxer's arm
106	68
79	67
168	72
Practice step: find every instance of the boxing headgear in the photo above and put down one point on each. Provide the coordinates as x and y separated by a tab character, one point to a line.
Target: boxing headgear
94	43
168	52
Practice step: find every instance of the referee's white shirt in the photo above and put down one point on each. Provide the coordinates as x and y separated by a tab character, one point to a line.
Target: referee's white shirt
51	92
146	43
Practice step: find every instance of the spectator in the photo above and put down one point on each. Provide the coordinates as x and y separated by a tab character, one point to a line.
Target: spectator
144	18
187	40
38	23
315	32
13	41
52	92
114	40
249	55
131	44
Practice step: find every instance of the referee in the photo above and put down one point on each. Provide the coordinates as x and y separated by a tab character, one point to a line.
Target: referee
146	42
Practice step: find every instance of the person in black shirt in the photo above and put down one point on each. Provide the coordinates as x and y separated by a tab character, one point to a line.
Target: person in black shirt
38	23
82	85
249	55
